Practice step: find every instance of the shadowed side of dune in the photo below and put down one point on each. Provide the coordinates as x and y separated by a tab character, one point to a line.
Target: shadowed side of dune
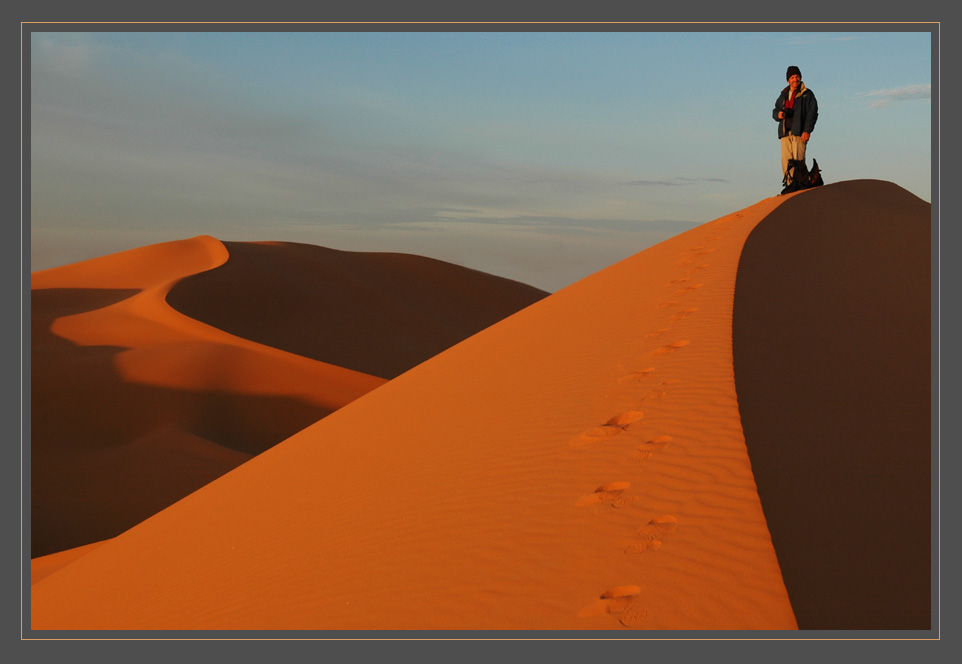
831	342
377	313
124	426
107	453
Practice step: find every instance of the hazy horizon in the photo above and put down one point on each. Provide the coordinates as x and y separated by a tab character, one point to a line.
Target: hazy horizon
538	156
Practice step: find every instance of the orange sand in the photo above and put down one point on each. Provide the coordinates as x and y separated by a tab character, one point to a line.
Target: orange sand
135	405
46	565
168	349
156	370
579	465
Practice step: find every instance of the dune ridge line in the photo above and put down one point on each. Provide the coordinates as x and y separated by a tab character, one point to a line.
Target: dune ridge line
448	497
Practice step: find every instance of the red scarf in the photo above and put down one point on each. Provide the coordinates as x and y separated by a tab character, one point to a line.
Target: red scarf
791	99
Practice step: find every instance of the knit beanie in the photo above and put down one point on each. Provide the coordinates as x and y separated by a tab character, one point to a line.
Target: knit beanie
793	70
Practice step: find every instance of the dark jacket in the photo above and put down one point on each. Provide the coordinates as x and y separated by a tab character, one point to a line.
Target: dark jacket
803	114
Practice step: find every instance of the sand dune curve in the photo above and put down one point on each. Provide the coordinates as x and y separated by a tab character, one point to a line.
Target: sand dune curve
373	312
139	268
585	464
579	465
135	404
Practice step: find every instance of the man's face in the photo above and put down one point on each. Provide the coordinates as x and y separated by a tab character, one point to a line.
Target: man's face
794	81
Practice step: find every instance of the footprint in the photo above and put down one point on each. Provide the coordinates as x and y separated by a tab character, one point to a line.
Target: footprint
649	537
625	500
661	390
671	348
688	289
622	602
640	546
684	313
614	426
637	376
650	447
625	420
597	608
633	614
660	526
595	435
610	492
660	442
621	591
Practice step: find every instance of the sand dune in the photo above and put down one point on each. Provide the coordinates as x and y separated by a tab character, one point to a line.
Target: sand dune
135	404
586	463
832	363
377	313
141	268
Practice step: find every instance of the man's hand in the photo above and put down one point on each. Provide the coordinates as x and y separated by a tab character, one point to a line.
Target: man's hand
805	136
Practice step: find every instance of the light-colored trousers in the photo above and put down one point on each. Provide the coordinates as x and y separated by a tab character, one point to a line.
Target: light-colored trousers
792	148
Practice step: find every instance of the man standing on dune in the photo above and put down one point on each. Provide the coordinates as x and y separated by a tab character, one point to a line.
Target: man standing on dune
796	111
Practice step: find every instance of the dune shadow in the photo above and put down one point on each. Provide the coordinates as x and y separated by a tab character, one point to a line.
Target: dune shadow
105	454
377	313
832	357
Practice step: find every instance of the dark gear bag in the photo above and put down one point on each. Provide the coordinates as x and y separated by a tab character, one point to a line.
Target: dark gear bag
797	176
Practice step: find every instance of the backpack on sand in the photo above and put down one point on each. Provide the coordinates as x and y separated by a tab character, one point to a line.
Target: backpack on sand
797	176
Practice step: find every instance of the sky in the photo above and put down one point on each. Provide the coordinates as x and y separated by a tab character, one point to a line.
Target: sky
538	156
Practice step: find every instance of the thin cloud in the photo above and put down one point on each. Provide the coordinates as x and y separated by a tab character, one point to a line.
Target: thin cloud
694	180
885	98
672	182
821	38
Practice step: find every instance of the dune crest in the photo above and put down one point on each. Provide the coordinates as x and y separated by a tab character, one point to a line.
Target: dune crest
136	404
591	462
453	497
140	268
168	349
374	312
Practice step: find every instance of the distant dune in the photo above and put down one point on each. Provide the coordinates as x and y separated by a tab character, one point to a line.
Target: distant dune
378	313
135	404
727	431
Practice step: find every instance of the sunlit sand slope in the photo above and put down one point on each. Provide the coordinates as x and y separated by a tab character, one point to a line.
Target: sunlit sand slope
135	403
579	465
